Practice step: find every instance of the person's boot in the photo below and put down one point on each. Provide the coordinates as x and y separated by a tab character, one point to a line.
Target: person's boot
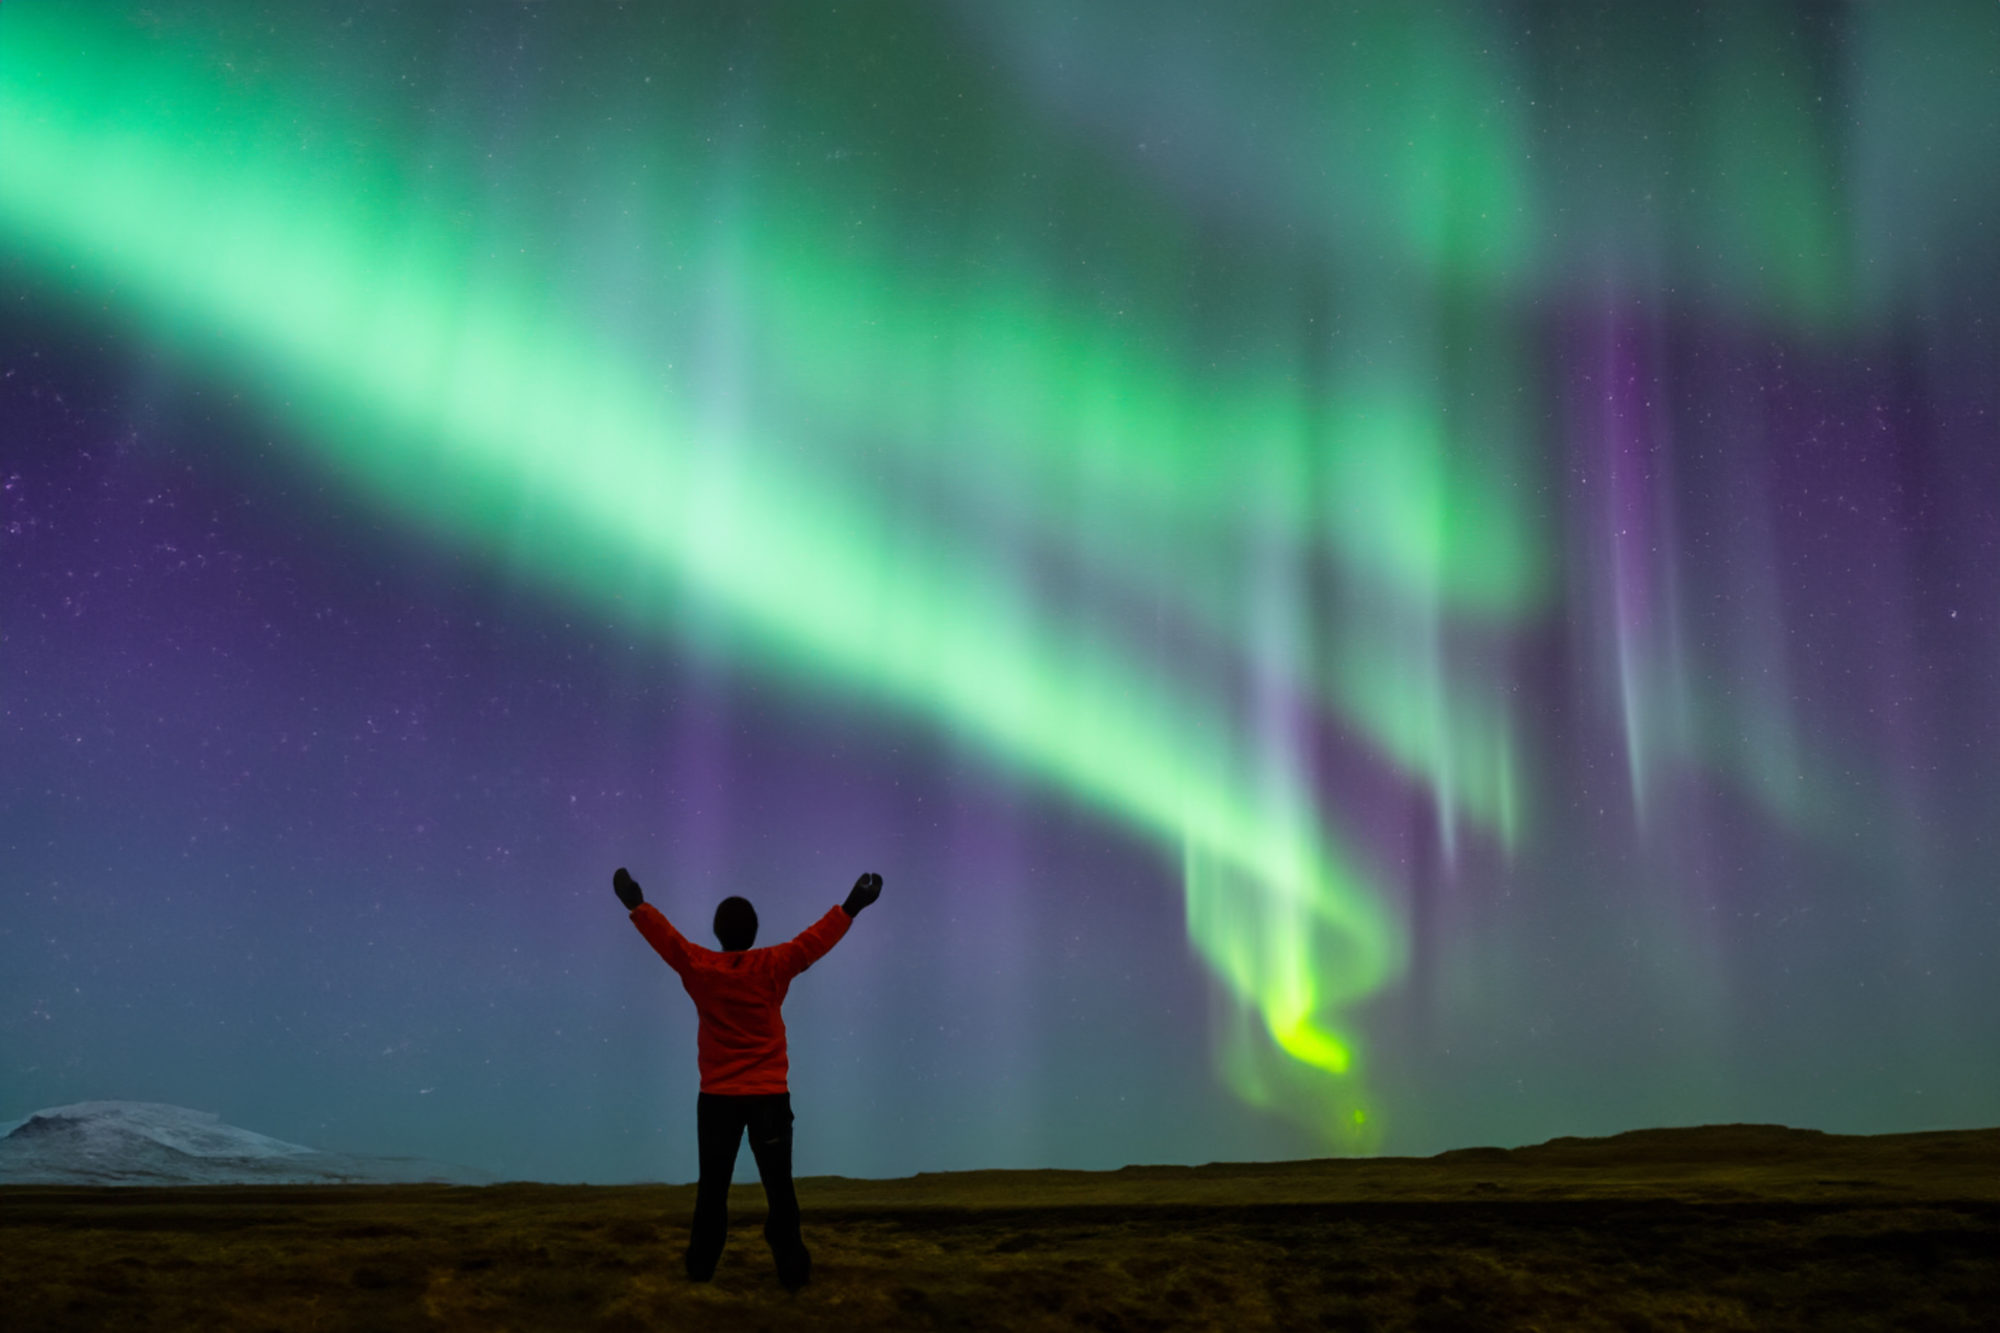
698	1269
794	1267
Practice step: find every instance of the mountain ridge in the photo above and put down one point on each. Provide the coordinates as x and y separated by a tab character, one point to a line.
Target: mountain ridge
156	1143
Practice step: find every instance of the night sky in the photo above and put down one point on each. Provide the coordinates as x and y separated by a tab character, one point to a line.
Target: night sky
1373	578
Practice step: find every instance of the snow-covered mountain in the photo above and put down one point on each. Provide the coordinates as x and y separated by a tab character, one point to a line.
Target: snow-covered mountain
150	1143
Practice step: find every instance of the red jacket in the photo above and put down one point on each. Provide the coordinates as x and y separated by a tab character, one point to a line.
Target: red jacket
742	1041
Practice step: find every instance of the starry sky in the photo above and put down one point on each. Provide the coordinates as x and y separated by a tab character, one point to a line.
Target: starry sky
1373	578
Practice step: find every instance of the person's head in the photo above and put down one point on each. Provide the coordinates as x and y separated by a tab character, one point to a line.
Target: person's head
736	924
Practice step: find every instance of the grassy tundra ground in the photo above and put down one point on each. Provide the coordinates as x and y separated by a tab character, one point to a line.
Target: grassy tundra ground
1731	1227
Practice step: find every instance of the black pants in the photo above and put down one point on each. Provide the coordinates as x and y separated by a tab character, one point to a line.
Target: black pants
719	1124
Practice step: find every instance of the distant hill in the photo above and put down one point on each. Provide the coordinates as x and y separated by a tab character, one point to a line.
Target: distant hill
1745	1144
1705	1163
151	1143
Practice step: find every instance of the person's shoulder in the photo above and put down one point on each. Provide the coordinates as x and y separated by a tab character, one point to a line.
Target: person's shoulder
768	958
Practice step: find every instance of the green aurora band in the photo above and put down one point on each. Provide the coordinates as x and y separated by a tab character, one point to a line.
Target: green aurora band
756	418
444	385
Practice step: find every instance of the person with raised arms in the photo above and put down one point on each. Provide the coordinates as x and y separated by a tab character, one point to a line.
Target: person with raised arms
737	993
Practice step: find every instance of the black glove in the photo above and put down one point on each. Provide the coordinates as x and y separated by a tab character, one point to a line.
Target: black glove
865	891
627	889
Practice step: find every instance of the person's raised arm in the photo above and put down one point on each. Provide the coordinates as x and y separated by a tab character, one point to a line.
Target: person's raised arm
659	932
810	945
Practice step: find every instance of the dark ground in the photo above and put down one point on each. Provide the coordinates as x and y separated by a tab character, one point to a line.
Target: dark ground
1729	1227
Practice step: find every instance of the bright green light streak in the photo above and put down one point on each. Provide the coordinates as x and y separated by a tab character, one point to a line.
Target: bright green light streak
459	396
1373	473
1111	413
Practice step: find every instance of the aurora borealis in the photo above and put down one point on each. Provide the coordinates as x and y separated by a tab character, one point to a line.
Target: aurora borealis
1373	577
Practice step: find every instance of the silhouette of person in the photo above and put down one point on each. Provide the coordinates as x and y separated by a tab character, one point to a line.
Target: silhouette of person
741	1051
